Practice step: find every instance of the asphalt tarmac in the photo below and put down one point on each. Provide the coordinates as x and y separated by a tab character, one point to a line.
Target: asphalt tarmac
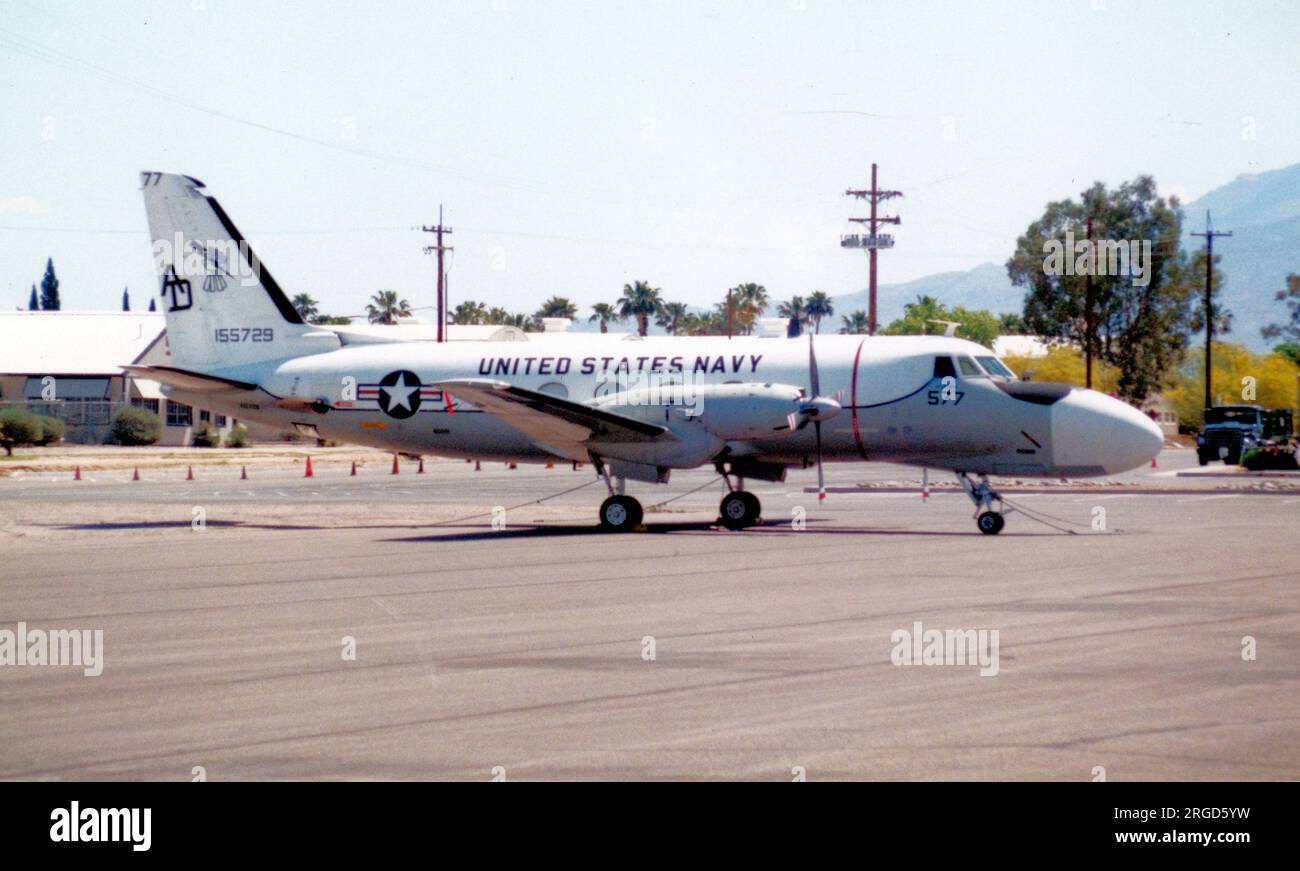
382	627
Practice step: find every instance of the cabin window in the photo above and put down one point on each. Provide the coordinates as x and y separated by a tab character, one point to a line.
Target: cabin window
968	368
994	366
943	368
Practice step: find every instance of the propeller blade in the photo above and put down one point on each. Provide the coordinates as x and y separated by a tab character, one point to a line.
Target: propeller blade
821	478
813	380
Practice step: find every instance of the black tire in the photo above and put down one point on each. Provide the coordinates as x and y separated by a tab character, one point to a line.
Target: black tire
1203	458
1232	459
739	509
990	522
620	514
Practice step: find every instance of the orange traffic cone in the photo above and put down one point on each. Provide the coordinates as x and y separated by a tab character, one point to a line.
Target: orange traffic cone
77	475
308	473
1153	462
243	473
135	476
513	466
354	468
550	465
189	476
394	464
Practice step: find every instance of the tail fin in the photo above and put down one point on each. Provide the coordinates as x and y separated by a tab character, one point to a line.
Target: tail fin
223	309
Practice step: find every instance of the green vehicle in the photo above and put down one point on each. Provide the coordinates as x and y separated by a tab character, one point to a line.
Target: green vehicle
1231	430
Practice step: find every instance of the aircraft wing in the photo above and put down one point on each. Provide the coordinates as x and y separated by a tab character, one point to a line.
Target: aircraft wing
557	424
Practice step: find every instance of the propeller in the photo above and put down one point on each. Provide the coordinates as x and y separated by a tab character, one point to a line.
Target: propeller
817	409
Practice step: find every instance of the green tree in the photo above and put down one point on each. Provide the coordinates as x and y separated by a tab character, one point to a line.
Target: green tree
1011	324
1142	329
557	307
1289	328
385	308
306	307
1195	283
605	313
18	427
133	425
817	307
707	324
50	288
469	312
670	316
33	304
855	322
926	316
1289	350
748	300
126	300
642	302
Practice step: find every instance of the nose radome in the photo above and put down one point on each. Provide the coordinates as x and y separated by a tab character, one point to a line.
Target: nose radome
1095	434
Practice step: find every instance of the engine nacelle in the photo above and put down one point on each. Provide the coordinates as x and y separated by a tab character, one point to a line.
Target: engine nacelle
726	411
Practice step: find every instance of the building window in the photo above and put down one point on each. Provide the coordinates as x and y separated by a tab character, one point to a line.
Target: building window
204	415
150	404
221	421
178	414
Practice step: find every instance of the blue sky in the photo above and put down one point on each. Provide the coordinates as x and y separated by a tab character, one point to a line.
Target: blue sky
579	146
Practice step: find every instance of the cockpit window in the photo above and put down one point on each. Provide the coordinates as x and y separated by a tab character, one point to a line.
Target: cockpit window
943	367
968	368
995	367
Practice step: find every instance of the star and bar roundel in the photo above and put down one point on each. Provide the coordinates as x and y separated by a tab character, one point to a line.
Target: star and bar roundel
399	394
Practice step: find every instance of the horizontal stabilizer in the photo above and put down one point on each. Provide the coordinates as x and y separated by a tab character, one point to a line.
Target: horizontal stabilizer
182	379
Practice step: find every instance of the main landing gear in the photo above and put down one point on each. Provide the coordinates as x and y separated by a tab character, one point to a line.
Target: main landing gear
739	508
620	512
989	519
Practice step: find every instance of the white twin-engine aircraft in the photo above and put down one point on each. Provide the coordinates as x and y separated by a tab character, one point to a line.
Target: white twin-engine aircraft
634	408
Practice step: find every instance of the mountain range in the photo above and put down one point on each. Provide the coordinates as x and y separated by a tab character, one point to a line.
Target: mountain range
1262	210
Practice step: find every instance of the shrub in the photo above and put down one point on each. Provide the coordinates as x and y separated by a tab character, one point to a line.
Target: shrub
239	437
18	427
136	426
52	430
206	437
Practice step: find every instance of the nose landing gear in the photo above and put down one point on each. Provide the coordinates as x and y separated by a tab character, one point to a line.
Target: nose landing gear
988	518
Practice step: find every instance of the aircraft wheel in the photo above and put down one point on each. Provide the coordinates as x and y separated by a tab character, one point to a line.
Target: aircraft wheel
739	509
620	514
990	522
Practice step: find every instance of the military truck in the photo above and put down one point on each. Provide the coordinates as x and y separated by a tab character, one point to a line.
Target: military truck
1231	430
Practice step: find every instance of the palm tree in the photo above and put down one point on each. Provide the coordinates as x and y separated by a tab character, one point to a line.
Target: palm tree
469	312
558	307
795	308
605	313
385	308
670	316
855	323
818	307
748	301
640	301
306	307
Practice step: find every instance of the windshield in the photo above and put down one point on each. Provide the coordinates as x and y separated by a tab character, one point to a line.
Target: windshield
1244	416
996	367
968	368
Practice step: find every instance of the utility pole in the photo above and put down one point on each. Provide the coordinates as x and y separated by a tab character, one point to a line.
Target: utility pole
1208	236
873	241
1087	312
439	248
